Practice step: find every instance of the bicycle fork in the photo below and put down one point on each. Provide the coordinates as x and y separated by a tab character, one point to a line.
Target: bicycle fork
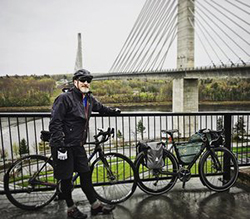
217	164
110	174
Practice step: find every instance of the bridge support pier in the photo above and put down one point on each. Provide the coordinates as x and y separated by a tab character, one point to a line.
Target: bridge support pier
185	95
185	99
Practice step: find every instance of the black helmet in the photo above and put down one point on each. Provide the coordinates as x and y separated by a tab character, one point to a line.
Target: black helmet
83	74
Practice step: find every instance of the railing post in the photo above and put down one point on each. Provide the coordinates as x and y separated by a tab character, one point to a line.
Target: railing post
228	137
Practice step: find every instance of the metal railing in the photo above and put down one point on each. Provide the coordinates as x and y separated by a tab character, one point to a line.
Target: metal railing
20	132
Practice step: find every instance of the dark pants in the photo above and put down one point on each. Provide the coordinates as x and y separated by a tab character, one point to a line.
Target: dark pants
63	170
66	186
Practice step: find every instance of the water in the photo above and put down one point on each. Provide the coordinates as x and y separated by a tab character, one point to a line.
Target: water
202	108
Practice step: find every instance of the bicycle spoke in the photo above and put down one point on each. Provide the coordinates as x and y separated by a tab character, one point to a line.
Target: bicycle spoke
218	173
21	192
116	183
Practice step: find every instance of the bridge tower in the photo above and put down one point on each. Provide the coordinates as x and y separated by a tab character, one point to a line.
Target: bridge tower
185	90
78	63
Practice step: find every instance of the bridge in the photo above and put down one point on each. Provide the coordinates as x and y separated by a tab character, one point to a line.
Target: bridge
221	29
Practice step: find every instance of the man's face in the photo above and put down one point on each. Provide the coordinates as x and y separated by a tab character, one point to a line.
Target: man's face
82	85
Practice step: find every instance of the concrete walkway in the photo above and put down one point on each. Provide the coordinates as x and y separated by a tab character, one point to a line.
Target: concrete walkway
195	201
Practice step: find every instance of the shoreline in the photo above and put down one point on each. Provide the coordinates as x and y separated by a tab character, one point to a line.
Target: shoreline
128	105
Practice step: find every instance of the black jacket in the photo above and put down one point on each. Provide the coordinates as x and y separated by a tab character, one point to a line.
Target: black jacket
69	121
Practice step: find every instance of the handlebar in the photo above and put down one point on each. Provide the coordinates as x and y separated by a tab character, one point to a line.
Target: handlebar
214	135
105	135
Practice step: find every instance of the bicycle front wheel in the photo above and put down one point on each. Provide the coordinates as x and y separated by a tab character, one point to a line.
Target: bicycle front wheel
218	169
113	178
29	183
156	181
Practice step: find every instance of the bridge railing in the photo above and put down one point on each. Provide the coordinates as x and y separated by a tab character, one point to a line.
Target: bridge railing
20	132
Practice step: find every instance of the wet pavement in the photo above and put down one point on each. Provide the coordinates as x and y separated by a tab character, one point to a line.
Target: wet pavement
195	201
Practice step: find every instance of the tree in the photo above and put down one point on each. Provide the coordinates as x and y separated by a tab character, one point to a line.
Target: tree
15	149
23	147
220	123
4	154
239	128
140	128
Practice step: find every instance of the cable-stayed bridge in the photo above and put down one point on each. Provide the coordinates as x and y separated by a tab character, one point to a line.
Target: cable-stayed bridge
205	38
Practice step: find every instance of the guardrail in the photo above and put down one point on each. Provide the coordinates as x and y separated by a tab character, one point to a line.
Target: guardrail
20	132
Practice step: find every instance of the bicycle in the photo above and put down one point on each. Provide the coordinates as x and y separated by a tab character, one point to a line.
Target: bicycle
29	183
218	168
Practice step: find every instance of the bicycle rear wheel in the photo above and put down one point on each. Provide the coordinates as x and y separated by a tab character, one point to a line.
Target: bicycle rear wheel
113	183
155	181
26	193
212	173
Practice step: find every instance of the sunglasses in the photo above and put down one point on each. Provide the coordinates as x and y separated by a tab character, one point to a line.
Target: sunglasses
83	79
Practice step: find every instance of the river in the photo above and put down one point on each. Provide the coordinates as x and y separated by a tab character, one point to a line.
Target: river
202	108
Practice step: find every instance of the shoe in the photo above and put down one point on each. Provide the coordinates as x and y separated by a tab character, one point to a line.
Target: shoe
102	209
76	214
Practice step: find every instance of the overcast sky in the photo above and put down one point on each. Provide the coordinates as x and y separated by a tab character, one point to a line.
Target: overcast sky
40	36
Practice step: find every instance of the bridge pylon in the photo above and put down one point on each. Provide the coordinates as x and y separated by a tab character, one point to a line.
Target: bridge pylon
185	90
78	63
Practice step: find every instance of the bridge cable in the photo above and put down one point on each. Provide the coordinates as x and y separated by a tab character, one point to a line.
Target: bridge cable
243	3
129	36
208	33
151	28
215	23
201	41
215	31
161	29
236	15
142	28
230	18
140	32
160	66
238	6
144	13
229	29
167	28
167	24
156	20
171	30
160	25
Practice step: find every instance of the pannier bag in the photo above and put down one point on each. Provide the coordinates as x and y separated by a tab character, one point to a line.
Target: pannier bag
154	154
188	150
154	158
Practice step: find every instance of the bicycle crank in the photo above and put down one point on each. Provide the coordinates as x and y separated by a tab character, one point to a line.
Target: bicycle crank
184	175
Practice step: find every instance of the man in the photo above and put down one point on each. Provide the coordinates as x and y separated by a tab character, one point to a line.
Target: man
69	126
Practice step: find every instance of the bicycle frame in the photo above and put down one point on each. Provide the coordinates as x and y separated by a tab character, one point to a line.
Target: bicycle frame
98	149
205	146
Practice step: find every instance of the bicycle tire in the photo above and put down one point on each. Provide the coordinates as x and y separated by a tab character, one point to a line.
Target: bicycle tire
213	178
122	186
147	180
18	189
